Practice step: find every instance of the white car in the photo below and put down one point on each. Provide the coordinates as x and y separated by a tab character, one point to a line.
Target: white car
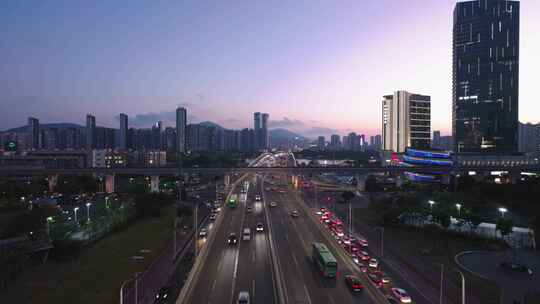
260	227
373	263
203	232
273	204
243	297
401	295
257	197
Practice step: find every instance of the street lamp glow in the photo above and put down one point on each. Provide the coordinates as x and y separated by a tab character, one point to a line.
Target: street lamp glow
88	211
502	210
458	206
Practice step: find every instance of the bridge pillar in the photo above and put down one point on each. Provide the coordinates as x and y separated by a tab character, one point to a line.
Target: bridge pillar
53	182
515	176
154	183
109	183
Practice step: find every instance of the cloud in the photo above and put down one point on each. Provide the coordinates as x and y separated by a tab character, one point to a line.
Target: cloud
285	123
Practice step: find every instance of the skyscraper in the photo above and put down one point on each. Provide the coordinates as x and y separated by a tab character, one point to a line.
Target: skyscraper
257	129
485	76
406	121
181	121
335	142
265	141
90	132
33	131
321	143
123	141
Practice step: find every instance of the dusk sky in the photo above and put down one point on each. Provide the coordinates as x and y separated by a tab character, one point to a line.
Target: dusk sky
317	67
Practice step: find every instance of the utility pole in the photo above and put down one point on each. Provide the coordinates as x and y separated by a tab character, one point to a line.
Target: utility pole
442	281
316	197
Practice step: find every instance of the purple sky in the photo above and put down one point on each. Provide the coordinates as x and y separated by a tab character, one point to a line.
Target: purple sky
317	67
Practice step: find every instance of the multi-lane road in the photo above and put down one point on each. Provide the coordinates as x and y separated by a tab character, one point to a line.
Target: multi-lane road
294	236
229	269
280	256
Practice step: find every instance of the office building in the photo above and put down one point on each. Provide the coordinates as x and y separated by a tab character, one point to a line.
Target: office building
33	133
485	76
529	138
321	143
123	135
335	142
406	121
265	142
90	132
181	122
257	129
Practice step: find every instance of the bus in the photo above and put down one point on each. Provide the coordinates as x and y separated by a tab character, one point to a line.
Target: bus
324	260
233	201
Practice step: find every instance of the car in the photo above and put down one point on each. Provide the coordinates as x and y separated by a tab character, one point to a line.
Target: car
203	232
373	263
249	209
246	235
401	295
355	259
376	279
353	283
294	213
260	227
391	300
162	295
363	268
257	197
232	239
273	204
213	217
243	297
363	257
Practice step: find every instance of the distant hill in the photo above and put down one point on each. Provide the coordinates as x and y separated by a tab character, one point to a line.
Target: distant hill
60	125
210	124
285	134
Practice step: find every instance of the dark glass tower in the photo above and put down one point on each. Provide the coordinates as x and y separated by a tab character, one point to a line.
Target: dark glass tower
485	77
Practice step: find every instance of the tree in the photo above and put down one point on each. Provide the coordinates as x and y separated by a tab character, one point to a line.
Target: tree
504	226
347	196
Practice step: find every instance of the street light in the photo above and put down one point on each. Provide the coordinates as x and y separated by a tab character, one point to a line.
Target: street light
49	220
502	210
75	212
458	206
431	203
88	211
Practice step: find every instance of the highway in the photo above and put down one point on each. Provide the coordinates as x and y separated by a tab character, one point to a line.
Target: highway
246	266
294	236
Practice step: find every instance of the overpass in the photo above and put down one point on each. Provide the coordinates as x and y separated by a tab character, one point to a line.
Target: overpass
110	174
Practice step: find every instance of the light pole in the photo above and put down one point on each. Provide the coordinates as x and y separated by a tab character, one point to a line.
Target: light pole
503	210
49	220
88	211
458	206
75	214
462	285
431	203
442	281
381	229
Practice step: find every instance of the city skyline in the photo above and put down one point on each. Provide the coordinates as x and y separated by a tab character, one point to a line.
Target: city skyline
335	64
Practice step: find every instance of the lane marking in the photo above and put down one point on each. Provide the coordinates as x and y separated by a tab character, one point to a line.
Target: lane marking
253	256
295	261
253	285
307	294
213	286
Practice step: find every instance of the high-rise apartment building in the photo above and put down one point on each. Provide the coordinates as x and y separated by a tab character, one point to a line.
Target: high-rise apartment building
34	133
406	121
123	138
181	122
485	76
265	142
529	138
335	142
90	132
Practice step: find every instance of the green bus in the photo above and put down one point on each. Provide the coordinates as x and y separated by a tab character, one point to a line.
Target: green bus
324	260
233	201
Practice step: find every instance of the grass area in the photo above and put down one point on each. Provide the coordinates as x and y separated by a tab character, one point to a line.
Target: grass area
409	242
95	275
